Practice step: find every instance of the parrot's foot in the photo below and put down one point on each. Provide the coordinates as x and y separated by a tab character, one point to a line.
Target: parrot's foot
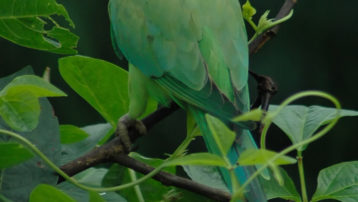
125	124
266	89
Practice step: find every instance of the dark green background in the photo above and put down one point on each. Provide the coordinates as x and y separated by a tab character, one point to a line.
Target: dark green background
316	49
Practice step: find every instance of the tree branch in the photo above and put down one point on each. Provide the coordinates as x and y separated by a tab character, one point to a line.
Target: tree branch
103	153
113	151
257	44
172	180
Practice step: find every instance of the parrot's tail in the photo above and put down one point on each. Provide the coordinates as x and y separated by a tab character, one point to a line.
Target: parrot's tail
254	191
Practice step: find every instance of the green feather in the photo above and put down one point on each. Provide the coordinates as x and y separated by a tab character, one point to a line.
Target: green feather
170	44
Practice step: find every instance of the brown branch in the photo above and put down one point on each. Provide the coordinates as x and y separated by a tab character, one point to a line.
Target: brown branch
257	44
113	151
172	180
103	153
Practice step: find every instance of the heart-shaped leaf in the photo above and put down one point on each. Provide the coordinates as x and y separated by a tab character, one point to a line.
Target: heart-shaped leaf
19	105
300	122
286	191
338	182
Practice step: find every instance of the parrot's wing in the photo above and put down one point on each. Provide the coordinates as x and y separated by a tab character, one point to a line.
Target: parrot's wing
190	43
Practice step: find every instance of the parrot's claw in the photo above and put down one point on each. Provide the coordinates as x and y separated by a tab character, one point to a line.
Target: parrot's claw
124	124
266	89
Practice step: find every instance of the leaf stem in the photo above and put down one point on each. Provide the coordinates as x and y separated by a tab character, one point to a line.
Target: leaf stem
136	187
302	176
252	24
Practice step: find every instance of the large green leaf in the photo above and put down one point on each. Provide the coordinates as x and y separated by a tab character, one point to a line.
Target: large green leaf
72	151
102	84
44	192
338	182
300	122
262	156
12	154
273	189
207	175
18	181
23	23
207	159
71	134
223	136
19	105
91	177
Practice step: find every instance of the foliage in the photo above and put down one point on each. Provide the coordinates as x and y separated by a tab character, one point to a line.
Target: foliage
27	157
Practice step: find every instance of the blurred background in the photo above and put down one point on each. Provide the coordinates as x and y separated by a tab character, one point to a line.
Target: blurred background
316	49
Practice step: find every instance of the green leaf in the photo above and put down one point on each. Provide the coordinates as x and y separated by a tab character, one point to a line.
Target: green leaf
300	122
262	156
23	23
338	182
223	136
273	189
198	159
102	84
18	181
19	105
72	151
44	192
95	197
12	154
253	115
71	134
20	111
208	175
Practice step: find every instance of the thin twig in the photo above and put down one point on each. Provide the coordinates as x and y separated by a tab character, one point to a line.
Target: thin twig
257	44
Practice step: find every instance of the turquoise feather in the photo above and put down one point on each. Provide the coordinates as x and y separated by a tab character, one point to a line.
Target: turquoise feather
193	52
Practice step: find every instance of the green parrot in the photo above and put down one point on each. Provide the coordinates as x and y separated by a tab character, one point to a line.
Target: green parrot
192	52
